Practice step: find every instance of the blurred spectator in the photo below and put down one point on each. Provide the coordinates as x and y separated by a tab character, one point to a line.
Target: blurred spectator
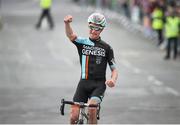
0	22
157	22
144	12
172	25
136	11
113	4
0	16
46	7
147	8
76	0
125	7
162	5
104	3
178	13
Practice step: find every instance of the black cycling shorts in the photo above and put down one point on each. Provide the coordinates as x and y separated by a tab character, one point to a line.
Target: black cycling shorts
87	89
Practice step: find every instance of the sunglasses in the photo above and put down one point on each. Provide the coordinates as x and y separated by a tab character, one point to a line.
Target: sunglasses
96	28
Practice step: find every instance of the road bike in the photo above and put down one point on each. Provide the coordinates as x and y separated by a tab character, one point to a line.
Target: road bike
83	115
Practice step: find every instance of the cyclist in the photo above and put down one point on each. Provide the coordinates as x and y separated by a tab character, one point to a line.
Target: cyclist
94	55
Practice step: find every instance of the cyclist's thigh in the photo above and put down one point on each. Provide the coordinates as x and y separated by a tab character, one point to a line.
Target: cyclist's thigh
99	90
81	94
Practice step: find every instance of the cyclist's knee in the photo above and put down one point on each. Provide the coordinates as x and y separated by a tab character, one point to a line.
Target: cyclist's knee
74	114
94	100
92	110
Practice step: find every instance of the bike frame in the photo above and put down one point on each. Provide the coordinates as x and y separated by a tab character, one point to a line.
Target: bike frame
82	113
82	116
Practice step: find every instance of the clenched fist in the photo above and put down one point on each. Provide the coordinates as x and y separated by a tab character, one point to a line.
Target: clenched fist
110	83
68	19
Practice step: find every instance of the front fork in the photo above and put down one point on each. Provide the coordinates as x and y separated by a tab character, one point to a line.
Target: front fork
83	115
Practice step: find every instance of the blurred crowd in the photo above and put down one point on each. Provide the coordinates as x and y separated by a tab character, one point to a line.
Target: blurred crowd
0	16
153	15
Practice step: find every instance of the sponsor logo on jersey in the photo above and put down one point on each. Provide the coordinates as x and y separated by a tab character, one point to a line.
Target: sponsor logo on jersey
91	50
98	59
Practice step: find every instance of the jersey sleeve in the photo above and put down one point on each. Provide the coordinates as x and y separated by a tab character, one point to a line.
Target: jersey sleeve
83	41
111	60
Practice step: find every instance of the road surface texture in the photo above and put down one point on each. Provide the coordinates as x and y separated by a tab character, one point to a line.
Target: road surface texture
40	67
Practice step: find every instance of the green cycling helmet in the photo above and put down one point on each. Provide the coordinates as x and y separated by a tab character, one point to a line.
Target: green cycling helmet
97	18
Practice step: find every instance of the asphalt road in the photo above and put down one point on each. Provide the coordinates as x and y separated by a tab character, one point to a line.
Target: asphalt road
39	67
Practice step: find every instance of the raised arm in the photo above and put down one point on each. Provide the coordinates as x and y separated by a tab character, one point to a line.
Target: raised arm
69	32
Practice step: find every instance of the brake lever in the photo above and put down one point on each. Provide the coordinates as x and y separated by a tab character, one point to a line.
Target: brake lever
62	107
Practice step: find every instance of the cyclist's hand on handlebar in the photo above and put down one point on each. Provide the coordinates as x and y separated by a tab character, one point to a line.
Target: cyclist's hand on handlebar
68	19
110	83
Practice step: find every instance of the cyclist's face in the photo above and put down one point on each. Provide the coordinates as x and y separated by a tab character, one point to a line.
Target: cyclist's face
95	31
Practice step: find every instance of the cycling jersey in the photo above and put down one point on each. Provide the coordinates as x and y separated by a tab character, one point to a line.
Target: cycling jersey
94	56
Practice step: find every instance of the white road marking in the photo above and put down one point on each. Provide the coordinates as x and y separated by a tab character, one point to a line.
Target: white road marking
158	83
172	91
137	70
152	79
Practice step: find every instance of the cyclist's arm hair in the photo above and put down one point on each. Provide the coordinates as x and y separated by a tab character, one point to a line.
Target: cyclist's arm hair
114	74
68	29
69	32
